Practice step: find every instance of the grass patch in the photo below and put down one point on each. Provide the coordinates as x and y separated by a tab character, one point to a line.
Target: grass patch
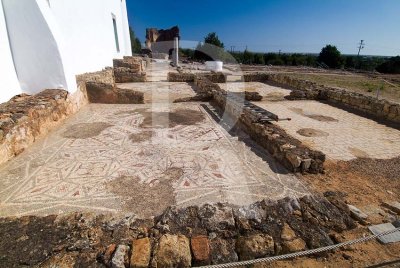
356	83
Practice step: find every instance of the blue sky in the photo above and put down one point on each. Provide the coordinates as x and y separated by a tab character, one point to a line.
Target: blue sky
273	25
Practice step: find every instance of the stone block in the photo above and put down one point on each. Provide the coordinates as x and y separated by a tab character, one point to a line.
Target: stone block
141	253
217	217
120	258
381	228
357	213
255	246
393	206
287	233
294	245
172	251
201	250
223	251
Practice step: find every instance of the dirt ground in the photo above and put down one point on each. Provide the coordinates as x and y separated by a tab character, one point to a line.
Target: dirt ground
365	183
369	254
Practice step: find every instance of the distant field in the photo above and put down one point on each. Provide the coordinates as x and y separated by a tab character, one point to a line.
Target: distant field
358	83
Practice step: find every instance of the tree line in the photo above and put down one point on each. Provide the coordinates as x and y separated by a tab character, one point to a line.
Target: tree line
329	57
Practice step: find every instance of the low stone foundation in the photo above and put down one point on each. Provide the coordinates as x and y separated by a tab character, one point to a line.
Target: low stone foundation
105	76
180	237
181	77
108	94
304	89
126	75
101	88
190	77
289	151
25	118
129	70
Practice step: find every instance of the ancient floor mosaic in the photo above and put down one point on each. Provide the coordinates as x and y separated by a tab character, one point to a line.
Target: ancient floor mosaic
161	92
140	159
339	134
269	93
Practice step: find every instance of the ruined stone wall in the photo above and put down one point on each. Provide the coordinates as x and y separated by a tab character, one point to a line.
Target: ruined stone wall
191	77
129	70
304	89
289	151
181	77
109	94
26	118
161	41
179	237
101	87
105	76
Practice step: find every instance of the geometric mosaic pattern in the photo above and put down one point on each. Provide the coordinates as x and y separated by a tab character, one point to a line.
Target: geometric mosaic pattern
349	135
58	174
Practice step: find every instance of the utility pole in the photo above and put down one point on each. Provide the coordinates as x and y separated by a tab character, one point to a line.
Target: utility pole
361	45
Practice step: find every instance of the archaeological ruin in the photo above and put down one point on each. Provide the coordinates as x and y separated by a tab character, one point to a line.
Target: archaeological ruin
158	162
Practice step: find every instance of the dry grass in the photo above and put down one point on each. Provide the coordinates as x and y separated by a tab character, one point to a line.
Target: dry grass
357	83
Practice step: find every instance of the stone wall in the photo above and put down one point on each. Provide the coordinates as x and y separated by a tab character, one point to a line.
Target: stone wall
105	76
101	87
180	237
289	151
181	77
108	94
304	89
191	77
26	118
129	70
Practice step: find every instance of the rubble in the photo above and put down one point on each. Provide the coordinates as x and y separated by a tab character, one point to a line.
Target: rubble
272	228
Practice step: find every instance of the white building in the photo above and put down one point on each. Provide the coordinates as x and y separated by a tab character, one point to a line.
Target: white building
45	43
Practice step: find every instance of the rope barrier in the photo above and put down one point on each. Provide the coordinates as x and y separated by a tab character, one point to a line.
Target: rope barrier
302	253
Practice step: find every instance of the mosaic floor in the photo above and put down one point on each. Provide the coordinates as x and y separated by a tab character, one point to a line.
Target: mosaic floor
339	134
269	93
138	158
161	92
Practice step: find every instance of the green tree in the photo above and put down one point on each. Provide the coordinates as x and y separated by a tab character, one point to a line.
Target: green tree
212	38
331	56
135	42
259	59
248	57
392	66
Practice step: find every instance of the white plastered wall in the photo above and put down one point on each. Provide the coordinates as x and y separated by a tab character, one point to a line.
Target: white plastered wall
9	85
37	46
89	33
51	41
